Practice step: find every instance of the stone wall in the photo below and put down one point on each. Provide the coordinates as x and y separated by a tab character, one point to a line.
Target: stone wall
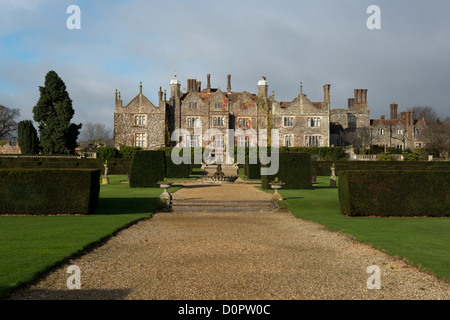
7	148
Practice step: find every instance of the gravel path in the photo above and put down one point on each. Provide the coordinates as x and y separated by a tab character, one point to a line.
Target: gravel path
234	255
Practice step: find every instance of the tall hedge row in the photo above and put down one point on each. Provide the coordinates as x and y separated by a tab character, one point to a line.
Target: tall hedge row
49	191
150	166
394	193
294	170
252	171
181	170
147	168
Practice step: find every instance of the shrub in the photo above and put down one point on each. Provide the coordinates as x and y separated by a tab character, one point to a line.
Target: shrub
394	193
126	152
147	168
49	191
107	152
294	170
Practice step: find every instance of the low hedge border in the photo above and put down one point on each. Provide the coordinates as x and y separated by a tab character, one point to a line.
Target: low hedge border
49	191
394	193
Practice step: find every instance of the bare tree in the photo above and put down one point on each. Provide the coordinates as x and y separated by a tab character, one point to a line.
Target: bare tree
8	123
439	138
425	112
360	137
95	133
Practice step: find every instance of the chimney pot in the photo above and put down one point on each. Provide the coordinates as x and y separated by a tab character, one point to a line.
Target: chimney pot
208	81
382	117
229	83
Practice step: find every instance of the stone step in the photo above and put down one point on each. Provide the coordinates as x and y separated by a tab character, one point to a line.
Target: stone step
180	205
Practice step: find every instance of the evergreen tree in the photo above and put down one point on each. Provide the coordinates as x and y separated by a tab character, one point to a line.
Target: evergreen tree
27	137
53	113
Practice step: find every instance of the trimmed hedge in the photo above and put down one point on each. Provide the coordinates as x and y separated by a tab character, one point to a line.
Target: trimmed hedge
394	193
323	168
115	166
294	171
176	171
49	191
147	168
252	171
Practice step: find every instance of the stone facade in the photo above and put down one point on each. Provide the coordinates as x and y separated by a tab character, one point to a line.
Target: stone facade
141	123
354	126
300	122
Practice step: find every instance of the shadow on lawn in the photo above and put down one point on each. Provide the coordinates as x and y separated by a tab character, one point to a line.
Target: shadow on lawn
127	205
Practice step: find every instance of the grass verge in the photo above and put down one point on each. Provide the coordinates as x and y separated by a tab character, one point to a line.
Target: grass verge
425	242
32	245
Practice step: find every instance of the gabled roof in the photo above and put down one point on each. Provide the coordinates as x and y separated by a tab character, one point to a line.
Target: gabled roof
387	122
145	100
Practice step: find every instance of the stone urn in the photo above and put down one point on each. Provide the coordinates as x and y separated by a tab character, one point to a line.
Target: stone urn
277	185
166	196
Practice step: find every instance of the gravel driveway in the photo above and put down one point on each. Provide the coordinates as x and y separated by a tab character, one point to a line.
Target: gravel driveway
234	255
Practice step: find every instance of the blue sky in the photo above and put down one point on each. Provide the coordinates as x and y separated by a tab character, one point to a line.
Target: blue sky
122	43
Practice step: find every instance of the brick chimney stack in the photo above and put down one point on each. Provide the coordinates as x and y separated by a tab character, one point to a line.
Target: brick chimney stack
229	83
326	93
208	82
394	111
360	100
409	115
160	94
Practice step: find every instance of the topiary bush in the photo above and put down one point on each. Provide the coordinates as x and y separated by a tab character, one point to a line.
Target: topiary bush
147	168
49	191
294	170
181	170
394	193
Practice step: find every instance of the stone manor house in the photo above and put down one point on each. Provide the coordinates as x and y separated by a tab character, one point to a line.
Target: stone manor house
300	122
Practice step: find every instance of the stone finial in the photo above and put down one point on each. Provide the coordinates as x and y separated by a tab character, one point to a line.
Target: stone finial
301	87
116	94
140	88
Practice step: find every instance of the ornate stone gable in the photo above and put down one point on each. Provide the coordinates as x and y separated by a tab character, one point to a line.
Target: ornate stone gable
219	102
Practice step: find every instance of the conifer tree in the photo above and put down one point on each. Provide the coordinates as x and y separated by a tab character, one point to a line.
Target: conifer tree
53	112
27	137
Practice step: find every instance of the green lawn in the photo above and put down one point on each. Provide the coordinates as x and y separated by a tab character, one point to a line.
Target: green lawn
423	241
30	245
